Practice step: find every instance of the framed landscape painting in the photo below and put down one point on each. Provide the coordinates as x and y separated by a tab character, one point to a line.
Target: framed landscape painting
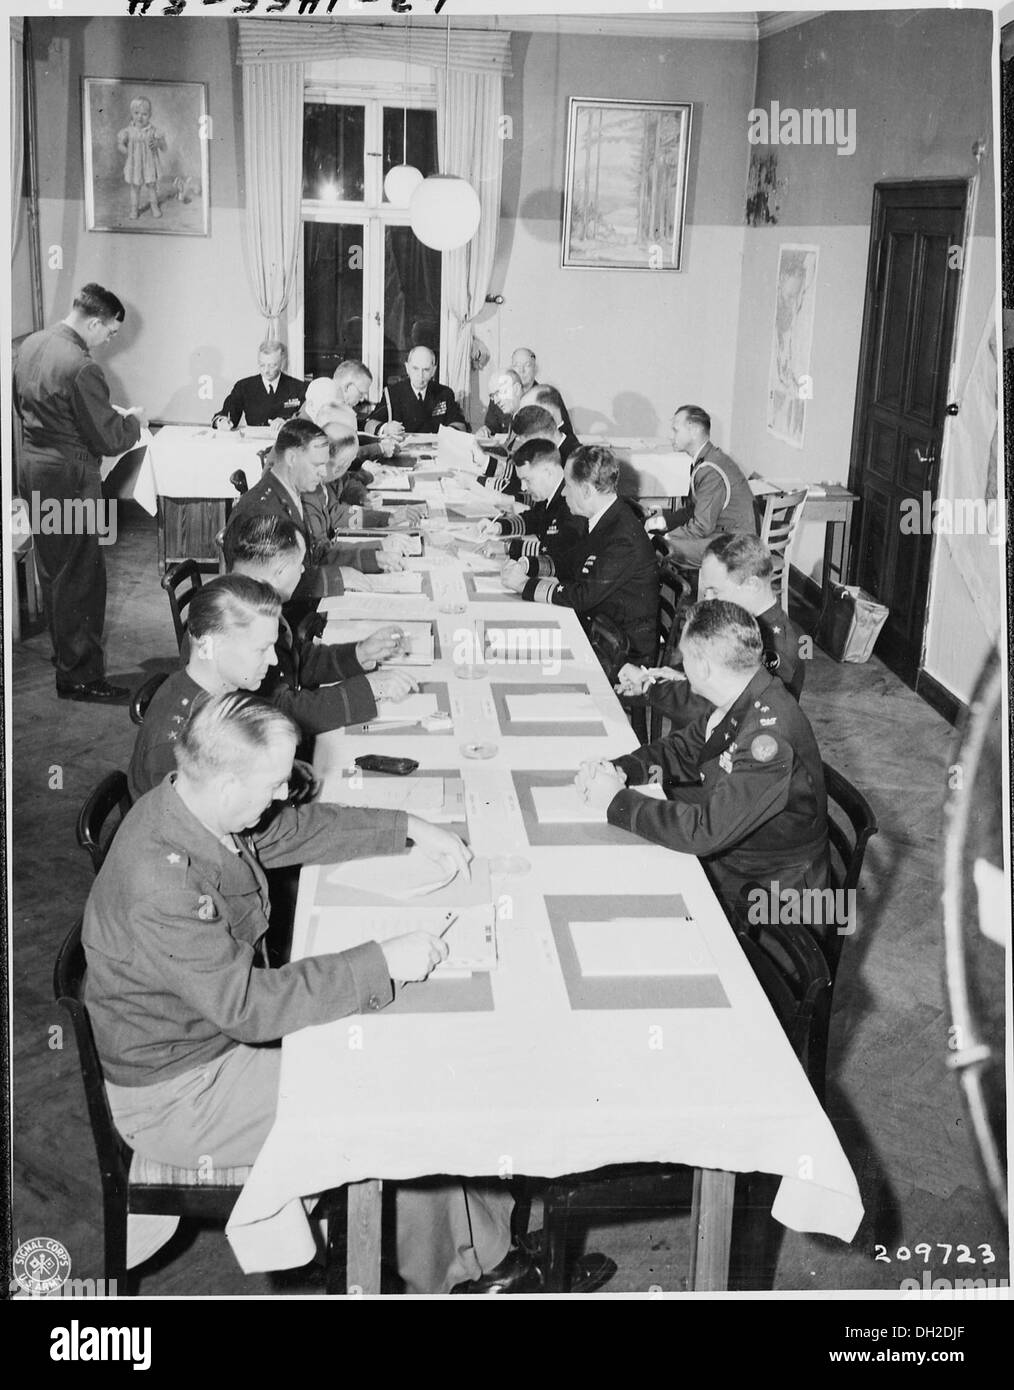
626	184
146	156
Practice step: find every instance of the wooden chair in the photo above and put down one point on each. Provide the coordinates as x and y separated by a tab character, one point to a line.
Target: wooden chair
610	645
181	581
95	830
132	1185
239	482
782	511
142	696
851	824
795	977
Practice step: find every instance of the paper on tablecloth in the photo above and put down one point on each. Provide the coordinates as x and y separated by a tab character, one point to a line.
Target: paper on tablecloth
641	946
418	706
563	805
549	708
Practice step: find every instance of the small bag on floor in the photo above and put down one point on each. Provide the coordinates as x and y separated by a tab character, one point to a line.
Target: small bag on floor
850	623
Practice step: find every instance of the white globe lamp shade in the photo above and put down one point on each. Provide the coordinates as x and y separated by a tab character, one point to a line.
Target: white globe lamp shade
444	212
400	183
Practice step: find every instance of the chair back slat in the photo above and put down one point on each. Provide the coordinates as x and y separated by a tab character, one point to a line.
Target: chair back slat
143	696
95	829
181	581
782	513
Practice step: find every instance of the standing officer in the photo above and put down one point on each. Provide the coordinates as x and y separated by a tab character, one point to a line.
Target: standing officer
68	424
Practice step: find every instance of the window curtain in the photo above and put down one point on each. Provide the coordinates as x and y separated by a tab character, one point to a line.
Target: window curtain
17	125
273	159
469	107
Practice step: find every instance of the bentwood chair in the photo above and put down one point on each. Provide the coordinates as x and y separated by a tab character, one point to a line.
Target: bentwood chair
132	1185
782	513
181	581
95	824
795	977
143	696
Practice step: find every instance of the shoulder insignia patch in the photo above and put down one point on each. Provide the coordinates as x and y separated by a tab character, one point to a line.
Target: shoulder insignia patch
725	761
764	748
766	723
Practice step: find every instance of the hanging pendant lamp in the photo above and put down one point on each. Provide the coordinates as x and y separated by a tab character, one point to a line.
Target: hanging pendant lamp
444	212
402	180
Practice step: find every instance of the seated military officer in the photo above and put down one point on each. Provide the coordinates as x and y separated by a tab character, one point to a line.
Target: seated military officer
546	535
301	457
615	573
738	569
321	685
744	785
185	1010
418	404
720	497
530	422
327	510
265	399
549	398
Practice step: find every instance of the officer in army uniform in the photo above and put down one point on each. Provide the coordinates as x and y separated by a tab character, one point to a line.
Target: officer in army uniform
615	570
548	533
183	1005
737	568
744	786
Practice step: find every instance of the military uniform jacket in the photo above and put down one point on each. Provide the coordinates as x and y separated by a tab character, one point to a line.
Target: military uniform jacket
270	497
249	400
720	500
173	926
616	575
62	398
749	801
781	658
326	514
320	685
547	535
437	407
154	753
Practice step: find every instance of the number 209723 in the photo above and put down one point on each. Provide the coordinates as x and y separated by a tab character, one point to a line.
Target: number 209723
962	1253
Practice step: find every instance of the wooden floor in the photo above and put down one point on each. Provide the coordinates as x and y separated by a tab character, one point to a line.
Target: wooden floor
891	1098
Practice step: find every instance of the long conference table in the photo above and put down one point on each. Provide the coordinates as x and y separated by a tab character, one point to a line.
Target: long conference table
622	1022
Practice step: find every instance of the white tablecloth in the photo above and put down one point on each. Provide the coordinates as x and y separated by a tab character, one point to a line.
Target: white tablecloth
189	461
535	1085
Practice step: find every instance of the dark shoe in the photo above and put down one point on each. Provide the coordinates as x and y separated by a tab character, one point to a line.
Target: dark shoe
516	1273
98	692
588	1273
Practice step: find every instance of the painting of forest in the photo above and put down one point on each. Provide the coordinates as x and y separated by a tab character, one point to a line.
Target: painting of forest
626	184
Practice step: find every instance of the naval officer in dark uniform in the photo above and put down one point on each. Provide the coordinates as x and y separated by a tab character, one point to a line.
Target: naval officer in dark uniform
269	396
546	536
744	785
417	405
615	572
68	424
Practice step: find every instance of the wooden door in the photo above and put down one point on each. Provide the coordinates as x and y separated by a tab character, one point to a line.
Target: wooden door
911	295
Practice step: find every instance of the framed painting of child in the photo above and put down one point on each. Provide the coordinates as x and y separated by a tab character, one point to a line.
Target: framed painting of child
146	156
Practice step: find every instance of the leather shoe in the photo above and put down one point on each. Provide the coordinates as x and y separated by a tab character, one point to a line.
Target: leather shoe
587	1273
516	1273
98	692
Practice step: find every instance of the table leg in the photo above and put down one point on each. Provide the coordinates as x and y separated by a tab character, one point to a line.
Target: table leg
364	1237
711	1229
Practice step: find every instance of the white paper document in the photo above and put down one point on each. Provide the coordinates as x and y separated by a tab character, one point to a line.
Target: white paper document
413	707
470	932
390	480
565	805
411	875
454	449
421	796
401	582
489	584
641	946
481	564
549	708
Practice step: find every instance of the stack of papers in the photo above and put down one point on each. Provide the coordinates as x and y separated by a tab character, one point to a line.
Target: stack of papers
470	933
422	796
490	584
401	582
390	480
567	708
564	805
455	449
641	946
407	711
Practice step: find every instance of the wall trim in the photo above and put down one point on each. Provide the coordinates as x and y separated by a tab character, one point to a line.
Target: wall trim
777	21
938	697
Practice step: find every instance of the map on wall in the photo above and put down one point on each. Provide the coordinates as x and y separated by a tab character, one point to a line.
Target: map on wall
789	383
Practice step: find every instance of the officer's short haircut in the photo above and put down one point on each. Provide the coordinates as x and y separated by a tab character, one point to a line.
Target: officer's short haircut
227	733
228	602
532	422
341	440
725	633
696	415
259	539
297	434
421	347
534	451
509	372
96	303
549	398
527	351
352	370
271	347
744	556
595	464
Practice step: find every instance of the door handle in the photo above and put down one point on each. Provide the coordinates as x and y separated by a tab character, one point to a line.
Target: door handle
927	458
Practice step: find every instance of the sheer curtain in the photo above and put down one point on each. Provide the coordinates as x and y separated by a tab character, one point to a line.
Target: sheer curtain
468	138
273	158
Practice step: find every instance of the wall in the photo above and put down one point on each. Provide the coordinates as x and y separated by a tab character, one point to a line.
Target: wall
623	346
188	300
919	82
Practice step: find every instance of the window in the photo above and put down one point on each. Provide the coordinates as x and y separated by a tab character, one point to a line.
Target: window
370	288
